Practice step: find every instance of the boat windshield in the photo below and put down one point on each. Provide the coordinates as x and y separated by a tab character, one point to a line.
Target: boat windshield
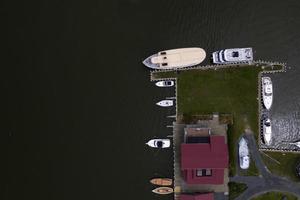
268	124
235	54
159	143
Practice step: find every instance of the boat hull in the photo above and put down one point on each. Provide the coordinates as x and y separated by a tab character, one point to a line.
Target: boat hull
226	56
163	190
165	103
175	58
161	181
267	131
154	143
164	83
267	92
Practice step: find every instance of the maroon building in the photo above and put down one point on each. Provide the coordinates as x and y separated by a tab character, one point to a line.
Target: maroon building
207	196
204	161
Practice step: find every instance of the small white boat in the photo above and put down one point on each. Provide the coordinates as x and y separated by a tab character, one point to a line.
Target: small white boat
163	190
244	154
267	92
159	143
164	83
233	55
175	58
267	131
165	103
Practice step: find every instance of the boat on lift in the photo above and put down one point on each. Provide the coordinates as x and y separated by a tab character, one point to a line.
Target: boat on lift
161	181
267	131
235	55
164	83
175	58
159	143
163	190
165	103
267	92
244	154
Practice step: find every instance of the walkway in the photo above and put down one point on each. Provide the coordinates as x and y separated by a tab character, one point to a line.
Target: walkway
266	181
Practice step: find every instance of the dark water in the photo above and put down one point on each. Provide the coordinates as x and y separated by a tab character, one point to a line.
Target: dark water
77	102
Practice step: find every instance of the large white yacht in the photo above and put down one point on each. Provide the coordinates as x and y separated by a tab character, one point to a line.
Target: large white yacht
244	154
175	58
267	92
267	131
233	55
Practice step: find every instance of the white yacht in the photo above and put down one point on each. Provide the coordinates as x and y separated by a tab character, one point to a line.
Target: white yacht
175	58
164	83
267	92
244	154
159	143
233	55
267	131
165	103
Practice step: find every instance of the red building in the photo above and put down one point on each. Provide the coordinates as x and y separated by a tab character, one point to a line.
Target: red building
207	196
204	162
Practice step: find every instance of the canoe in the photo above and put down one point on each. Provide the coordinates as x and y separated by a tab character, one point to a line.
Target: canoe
163	190
161	181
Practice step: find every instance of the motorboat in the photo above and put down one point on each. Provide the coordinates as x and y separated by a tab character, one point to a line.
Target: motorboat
159	143
175	58
164	83
267	92
165	103
267	131
244	154
163	190
235	55
161	181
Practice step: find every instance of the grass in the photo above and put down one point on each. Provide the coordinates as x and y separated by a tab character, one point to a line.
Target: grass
287	166
235	189
232	91
275	196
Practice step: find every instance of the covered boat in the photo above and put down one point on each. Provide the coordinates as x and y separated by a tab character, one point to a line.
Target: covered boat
164	83
244	154
163	190
161	181
267	131
165	103
159	143
233	55
175	58
267	92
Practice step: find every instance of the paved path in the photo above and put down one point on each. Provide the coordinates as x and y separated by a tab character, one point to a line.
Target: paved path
266	181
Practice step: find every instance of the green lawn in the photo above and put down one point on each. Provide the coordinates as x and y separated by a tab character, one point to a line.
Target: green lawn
235	189
230	91
275	196
287	166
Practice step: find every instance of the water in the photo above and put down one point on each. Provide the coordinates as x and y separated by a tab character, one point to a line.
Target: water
79	106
